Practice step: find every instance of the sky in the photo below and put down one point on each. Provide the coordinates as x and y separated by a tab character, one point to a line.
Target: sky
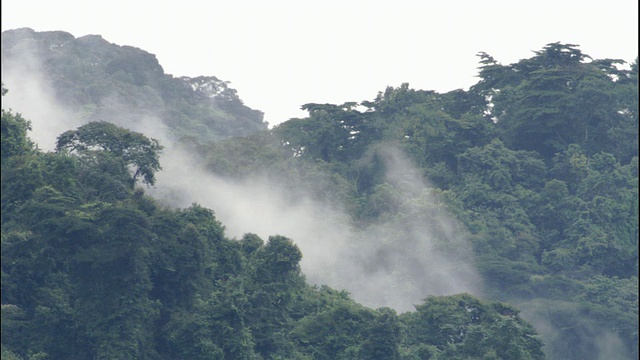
280	55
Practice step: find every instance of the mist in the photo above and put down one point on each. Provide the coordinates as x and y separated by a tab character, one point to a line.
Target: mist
393	262
563	324
33	97
433	258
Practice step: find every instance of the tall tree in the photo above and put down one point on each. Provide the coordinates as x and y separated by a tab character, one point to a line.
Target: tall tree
556	98
132	149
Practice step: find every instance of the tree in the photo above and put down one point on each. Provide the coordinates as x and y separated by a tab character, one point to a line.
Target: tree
340	331
382	337
132	149
112	267
557	98
277	278
463	327
14	134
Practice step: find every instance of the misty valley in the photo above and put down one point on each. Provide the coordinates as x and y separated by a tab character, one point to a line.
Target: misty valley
147	216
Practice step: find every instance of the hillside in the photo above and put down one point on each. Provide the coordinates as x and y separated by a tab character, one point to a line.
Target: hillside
94	268
98	80
521	192
538	161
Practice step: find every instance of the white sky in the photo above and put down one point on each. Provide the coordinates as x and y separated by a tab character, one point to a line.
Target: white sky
282	54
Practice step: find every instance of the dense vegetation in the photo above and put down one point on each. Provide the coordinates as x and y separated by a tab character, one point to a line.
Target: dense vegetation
93	268
538	160
99	80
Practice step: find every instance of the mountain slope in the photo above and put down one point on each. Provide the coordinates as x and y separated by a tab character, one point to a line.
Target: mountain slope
98	80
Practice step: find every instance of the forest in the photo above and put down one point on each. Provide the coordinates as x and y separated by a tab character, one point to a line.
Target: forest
537	165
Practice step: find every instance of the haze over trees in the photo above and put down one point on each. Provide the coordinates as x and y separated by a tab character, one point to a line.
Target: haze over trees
538	162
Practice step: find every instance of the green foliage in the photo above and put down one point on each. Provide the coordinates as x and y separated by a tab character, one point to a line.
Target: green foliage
97	142
14	135
335	333
583	330
331	133
558	98
461	327
538	162
382	337
96	80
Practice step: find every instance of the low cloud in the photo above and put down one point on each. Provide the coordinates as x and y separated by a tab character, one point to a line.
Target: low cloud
395	262
564	326
33	97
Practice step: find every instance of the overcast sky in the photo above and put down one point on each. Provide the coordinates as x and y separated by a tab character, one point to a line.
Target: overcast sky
282	54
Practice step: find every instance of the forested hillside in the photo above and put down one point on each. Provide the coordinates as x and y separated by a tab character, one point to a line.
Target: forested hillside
97	80
94	268
538	160
538	163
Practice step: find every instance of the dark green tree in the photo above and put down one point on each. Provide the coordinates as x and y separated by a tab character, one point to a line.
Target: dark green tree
558	97
14	135
463	327
92	141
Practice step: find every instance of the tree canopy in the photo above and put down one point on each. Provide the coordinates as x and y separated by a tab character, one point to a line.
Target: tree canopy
95	139
537	163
